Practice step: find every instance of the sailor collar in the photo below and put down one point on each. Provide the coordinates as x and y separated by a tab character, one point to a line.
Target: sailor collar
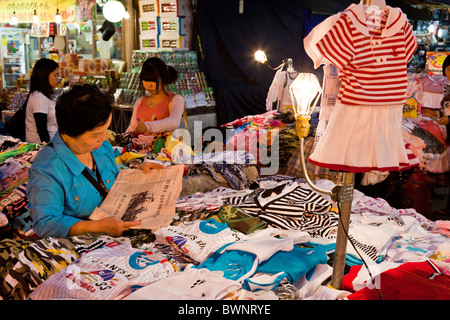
395	21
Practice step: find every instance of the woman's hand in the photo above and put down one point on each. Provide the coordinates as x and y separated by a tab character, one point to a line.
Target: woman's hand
141	128
147	166
114	226
110	225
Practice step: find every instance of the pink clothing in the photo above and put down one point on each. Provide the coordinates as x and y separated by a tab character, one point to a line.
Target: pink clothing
434	83
152	113
160	117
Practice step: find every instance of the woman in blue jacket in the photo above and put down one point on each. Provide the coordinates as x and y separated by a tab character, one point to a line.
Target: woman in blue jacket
61	196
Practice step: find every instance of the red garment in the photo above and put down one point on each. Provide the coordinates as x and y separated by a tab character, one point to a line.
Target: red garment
432	127
371	61
157	112
409	281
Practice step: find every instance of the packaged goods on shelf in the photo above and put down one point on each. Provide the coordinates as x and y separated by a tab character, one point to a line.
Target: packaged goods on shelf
191	82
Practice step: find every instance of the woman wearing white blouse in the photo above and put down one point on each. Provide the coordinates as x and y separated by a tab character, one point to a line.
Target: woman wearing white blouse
40	118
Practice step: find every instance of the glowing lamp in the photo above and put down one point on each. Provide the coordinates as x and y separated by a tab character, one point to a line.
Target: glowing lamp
305	92
113	11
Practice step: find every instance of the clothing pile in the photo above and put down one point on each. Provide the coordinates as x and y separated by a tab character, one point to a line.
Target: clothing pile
257	134
15	159
273	240
428	141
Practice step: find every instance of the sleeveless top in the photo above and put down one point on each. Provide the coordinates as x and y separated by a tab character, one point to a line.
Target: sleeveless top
156	112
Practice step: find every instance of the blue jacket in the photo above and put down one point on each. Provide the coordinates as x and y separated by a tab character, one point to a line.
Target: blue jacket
59	194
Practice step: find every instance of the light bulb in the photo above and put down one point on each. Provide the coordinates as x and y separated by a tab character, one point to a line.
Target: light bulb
305	92
113	11
35	18
57	17
14	20
260	56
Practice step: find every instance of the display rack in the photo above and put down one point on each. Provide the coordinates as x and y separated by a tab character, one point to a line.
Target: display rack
191	82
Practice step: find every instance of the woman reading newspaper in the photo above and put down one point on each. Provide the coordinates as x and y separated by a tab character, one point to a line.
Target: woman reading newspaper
71	176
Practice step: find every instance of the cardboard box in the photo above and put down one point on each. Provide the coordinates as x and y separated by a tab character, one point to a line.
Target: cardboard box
174	8
186	42
149	41
169	26
149	25
169	42
186	25
148	8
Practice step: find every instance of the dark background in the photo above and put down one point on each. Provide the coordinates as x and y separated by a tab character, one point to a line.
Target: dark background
226	41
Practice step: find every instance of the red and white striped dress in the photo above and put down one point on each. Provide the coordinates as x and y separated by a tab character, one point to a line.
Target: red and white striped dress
364	131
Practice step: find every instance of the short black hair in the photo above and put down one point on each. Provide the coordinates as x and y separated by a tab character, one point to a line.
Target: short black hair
81	109
156	70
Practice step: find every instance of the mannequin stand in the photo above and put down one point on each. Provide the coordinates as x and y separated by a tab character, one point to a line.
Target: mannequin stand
346	198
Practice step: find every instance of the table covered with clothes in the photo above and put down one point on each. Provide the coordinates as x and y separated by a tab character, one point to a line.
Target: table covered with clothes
251	238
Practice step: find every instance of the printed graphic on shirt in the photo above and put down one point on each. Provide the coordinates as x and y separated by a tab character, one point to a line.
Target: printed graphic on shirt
105	273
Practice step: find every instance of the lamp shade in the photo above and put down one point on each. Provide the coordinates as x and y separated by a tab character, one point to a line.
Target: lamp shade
113	11
305	92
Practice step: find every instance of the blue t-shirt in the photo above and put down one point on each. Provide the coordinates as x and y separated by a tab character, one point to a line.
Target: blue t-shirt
59	194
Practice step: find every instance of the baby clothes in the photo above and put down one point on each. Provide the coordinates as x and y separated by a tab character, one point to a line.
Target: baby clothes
191	284
290	207
409	281
198	239
107	273
364	130
240	260
371	60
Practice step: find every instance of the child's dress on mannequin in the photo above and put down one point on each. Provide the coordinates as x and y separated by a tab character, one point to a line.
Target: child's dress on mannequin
370	49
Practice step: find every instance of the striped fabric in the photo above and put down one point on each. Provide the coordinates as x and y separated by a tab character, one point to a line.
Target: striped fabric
290	208
371	57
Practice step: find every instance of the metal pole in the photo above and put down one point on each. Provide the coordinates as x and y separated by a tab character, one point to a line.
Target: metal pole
343	194
346	198
305	171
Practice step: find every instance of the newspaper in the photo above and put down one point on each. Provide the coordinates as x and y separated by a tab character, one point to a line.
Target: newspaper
148	197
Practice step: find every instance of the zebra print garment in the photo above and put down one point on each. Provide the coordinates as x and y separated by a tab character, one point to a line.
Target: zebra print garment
290	207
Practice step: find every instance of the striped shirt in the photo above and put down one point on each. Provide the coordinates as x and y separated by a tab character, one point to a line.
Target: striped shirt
371	56
291	208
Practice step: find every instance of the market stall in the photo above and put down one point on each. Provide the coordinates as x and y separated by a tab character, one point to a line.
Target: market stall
31	266
246	224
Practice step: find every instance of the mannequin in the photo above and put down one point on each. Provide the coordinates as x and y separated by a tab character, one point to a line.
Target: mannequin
363	134
380	3
364	53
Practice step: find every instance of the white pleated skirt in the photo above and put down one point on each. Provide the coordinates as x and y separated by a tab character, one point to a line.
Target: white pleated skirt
362	139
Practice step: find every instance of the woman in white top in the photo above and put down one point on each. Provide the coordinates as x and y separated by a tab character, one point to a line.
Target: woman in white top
159	110
40	118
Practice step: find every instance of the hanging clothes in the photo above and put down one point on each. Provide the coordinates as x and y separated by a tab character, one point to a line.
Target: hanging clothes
371	50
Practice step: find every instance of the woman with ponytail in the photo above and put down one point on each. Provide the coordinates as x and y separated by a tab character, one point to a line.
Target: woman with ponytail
40	120
158	110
